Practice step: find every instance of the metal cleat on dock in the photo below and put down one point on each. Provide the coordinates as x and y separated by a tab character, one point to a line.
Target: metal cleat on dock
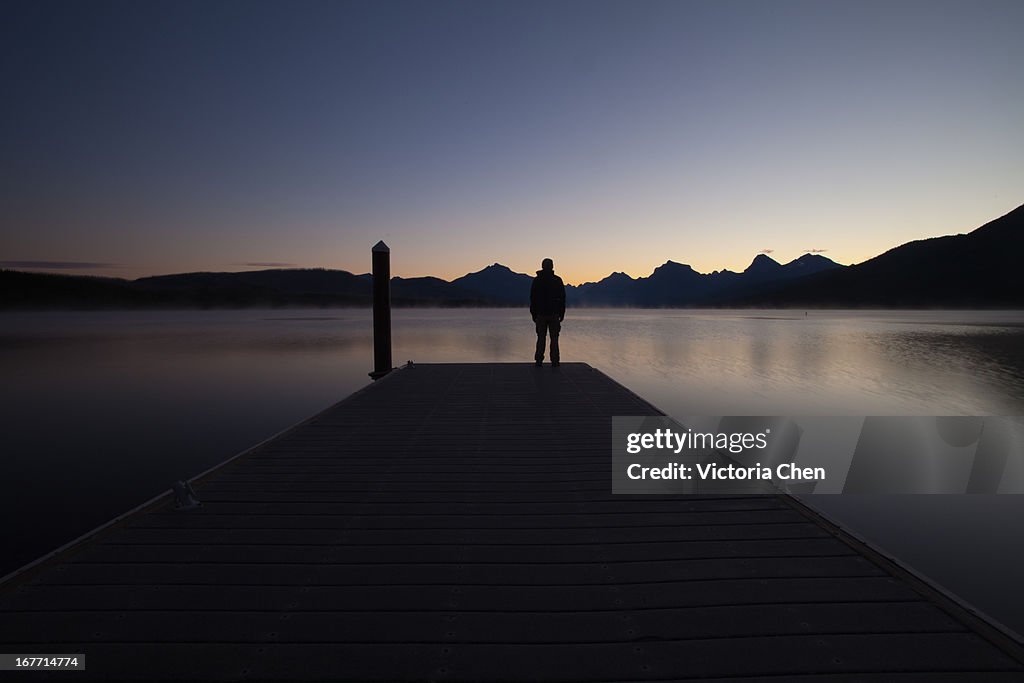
184	496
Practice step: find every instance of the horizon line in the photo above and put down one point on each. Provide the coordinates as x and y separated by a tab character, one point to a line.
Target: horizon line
66	266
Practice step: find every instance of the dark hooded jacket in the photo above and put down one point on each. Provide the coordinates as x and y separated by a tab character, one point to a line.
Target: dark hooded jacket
547	295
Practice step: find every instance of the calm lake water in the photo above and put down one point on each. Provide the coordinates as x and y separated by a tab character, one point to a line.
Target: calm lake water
101	411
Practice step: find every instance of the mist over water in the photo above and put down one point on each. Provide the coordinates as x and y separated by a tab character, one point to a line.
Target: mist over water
100	411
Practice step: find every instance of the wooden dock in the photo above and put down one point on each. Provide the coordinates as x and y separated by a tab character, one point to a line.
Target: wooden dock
455	522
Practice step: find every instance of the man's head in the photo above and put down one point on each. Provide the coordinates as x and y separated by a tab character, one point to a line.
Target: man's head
547	264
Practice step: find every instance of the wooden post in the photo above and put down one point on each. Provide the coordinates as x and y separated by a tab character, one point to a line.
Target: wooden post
381	310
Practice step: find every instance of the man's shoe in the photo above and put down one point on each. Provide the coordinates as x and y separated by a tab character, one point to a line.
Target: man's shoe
555	363
539	364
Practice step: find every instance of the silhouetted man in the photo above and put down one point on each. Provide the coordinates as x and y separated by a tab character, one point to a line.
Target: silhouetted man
547	306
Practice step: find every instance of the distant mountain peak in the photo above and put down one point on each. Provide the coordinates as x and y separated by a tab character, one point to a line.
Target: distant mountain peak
497	283
809	263
813	257
493	269
762	263
671	265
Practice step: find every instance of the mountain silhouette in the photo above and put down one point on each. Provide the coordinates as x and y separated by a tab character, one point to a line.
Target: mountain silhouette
808	264
310	285
431	291
497	284
614	290
765	272
978	269
678	285
763	267
974	270
672	284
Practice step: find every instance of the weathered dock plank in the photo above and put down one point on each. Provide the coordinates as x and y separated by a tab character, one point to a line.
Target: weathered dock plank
455	522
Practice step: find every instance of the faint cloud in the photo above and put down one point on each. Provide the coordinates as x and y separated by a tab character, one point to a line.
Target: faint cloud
816	251
58	265
766	251
266	264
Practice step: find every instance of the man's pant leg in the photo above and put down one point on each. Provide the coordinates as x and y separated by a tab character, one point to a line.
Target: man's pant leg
542	329
554	327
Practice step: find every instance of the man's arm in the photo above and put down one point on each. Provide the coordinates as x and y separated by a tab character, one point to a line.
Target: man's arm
561	300
533	300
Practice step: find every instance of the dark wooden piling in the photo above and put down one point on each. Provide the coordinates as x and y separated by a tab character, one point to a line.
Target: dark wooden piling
455	522
382	363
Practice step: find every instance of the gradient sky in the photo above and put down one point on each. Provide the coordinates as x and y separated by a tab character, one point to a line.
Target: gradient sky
143	137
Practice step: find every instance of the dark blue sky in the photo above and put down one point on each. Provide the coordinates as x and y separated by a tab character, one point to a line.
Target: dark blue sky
145	137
